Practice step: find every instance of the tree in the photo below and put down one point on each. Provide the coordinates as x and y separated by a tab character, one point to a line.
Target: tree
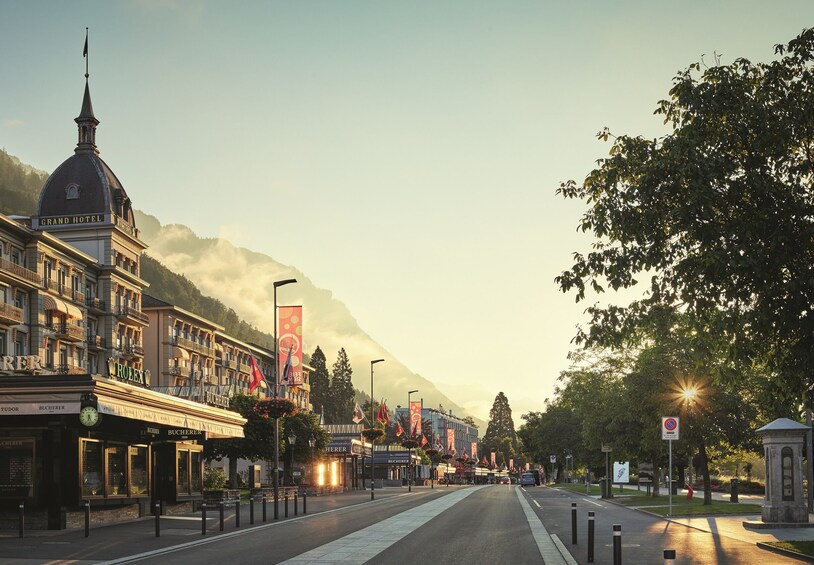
257	443
320	381
342	392
305	427
500	434
717	214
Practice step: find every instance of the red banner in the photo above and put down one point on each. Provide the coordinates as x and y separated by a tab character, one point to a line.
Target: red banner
494	460
415	418
290	346
451	440
474	454
511	464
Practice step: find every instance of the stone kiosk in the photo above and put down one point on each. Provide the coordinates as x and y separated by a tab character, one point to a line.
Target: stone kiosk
784	503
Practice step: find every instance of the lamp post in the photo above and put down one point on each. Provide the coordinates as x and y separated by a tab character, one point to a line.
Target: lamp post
432	439
410	462
277	284
292	439
372	482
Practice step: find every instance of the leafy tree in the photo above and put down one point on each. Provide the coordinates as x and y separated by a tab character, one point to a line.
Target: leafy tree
320	381
500	433
257	443
717	215
342	392
304	426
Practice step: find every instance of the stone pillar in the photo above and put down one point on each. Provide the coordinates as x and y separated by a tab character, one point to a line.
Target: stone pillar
783	443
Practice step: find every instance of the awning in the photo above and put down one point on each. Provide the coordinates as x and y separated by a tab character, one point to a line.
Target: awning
52	303
26	404
166	417
178	353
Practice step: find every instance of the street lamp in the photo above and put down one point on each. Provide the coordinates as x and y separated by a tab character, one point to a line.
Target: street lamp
311	443
276	285
292	439
410	462
372	482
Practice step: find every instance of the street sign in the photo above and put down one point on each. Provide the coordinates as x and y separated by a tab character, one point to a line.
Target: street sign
553	459
606	448
669	427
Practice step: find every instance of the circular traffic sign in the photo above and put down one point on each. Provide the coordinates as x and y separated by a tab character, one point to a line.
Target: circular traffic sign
670	424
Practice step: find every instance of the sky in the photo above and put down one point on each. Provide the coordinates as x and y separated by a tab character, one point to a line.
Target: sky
404	155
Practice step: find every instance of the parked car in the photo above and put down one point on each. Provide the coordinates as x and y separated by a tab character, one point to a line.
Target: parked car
504	480
527	480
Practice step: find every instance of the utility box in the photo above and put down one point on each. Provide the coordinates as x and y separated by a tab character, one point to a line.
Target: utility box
254	476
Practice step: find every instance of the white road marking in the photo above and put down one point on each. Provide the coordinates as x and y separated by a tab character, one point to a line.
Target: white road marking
551	553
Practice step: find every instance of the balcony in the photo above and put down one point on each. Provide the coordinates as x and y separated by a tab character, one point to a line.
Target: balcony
134	315
193	345
51	285
77	295
94	303
64	369
244	368
69	332
95	341
10	314
178	371
19	271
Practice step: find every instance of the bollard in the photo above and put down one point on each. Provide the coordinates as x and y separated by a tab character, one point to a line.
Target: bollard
87	518
573	523
251	510
264	508
203	518
220	504
304	511
617	544
669	556
590	536
237	513
157	519
286	504
295	504
22	518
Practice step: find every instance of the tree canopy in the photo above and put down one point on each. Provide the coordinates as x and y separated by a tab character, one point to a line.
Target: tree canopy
717	215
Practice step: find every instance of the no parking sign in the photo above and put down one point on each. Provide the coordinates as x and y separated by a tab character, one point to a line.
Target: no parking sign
669	427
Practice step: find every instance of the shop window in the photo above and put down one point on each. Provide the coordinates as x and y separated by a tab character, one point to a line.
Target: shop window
116	470
183	472
92	472
16	468
3	342
139	467
196	480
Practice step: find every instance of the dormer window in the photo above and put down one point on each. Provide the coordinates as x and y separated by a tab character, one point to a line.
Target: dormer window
72	191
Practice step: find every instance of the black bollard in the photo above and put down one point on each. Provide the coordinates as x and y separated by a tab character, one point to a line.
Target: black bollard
157	519
87	518
304	511
22	518
617	544
264	508
590	536
669	556
237	513
251	510
286	504
295	503
203	518
574	523
220	505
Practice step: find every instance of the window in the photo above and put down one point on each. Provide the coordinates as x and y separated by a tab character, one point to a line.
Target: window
139	470
19	299
196	482
183	472
17	467
93	364
19	344
3	342
15	257
92	470
116	470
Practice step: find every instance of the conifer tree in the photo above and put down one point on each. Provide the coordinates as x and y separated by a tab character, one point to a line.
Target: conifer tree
320	382
341	391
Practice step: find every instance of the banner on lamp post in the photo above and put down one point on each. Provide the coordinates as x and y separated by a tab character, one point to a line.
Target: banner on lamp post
289	367
415	417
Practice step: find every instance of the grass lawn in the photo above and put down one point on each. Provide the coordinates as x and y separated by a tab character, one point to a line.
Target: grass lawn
803	547
660	504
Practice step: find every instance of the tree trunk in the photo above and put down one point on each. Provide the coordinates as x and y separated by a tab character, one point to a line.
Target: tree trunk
702	456
233	472
656	479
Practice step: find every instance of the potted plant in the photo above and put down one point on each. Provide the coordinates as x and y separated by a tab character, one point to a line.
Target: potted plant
214	483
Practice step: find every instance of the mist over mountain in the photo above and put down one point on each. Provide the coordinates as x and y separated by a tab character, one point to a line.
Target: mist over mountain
243	280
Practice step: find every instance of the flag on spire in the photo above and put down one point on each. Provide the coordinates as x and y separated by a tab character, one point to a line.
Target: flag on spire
399	431
257	375
85	50
385	413
423	440
358	415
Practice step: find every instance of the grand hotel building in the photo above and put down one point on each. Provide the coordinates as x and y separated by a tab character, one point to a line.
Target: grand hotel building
106	393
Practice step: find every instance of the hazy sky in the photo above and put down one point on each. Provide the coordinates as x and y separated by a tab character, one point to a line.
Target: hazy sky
404	155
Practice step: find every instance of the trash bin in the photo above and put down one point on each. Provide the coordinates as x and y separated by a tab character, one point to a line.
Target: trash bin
674	487
605	486
733	490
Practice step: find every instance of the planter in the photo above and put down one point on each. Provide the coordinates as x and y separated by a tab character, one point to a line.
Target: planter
409	443
372	434
275	408
221	495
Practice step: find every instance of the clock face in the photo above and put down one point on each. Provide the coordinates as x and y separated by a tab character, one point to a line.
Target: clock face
89	416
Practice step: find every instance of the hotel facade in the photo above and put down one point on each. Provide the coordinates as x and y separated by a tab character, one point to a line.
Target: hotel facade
106	393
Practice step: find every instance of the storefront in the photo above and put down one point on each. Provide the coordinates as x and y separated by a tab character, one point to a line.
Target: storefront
65	439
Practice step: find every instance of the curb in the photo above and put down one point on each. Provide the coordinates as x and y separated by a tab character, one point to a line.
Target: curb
785	552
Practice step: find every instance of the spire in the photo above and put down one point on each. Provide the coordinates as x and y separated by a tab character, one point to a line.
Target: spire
86	121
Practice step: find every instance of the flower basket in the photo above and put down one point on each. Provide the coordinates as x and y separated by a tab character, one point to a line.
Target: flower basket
372	434
460	459
409	443
275	407
446	456
431	451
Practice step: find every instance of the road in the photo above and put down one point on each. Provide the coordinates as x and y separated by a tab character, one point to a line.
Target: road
490	524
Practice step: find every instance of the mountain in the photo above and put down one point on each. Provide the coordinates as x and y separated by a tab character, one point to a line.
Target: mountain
234	287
